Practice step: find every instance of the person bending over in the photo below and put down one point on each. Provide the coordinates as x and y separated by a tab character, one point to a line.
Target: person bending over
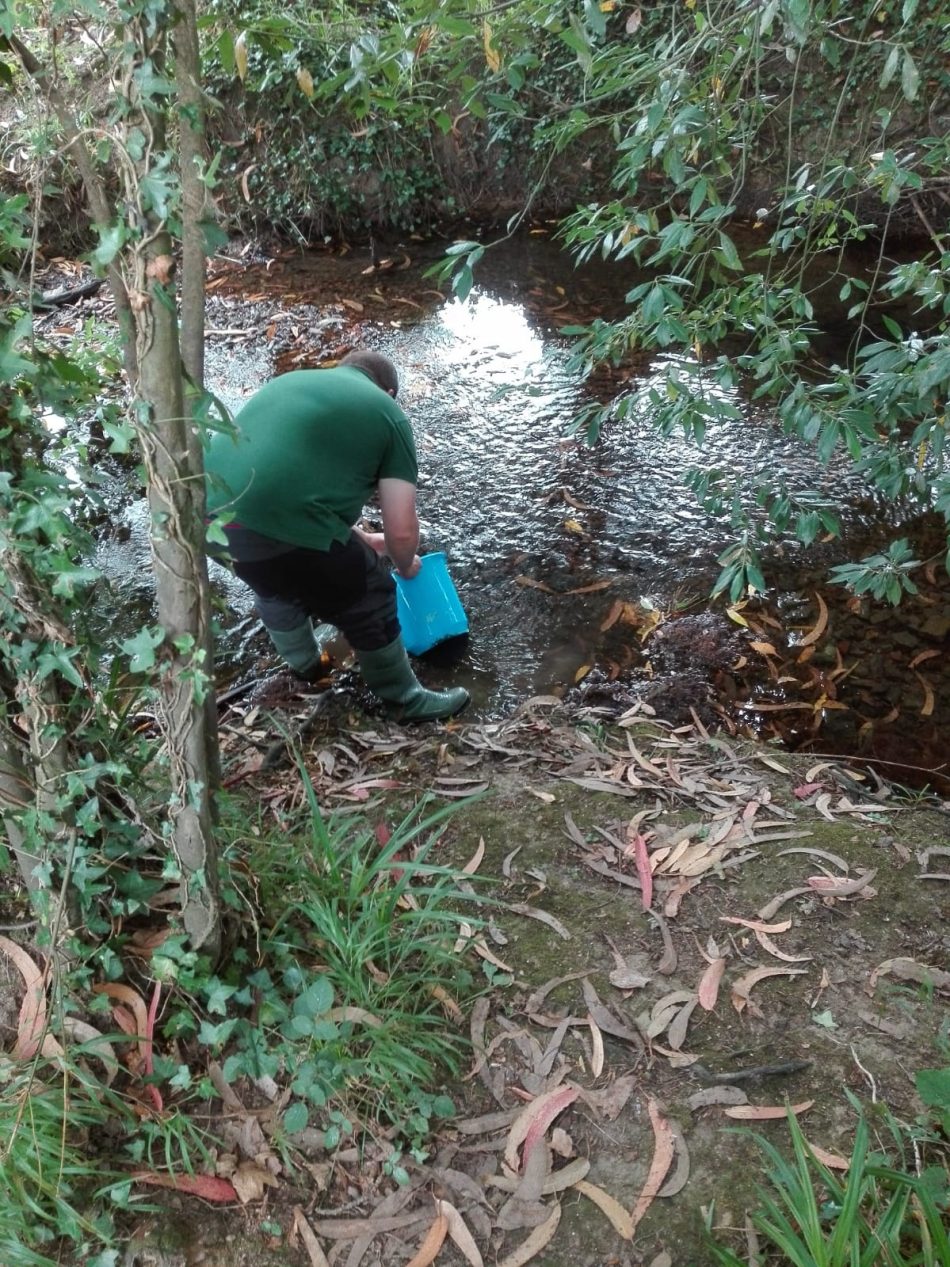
308	451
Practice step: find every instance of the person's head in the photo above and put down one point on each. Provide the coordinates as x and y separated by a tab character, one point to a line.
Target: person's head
375	366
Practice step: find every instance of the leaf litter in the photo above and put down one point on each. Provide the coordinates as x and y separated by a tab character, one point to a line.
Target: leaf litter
733	823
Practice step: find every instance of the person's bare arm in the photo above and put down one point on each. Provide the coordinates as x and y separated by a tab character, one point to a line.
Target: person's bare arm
397	500
375	540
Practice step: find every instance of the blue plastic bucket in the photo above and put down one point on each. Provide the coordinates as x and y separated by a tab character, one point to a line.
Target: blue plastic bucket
428	606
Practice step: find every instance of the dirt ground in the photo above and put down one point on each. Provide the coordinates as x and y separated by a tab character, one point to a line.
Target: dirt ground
795	950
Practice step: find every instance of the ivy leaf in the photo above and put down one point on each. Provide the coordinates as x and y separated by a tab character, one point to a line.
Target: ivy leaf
112	238
150	83
59	661
157	192
141	648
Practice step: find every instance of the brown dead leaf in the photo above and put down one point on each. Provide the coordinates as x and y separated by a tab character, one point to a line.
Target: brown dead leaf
757	925
597	1048
621	1220
428	1251
249	1181
771	908
314	1250
742	987
638	847
543	917
663	1154
819	626
768	945
676	1034
533	1121
534	1244
476	859
208	1187
834	1161
459	1233
160	269
927	708
529	583
708	989
766	1112
922	656
910	970
678	1180
613	615
245	177
125	994
32	1018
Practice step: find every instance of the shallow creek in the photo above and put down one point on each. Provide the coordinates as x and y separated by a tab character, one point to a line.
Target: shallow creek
527	513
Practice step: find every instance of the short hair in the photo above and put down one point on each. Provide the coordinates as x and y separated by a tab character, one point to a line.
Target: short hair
376	366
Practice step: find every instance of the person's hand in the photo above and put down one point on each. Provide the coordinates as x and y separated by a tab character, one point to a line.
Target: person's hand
408	573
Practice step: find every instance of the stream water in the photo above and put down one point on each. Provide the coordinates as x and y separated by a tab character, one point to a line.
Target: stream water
545	533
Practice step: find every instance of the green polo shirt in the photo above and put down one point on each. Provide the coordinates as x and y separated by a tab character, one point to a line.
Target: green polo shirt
308	451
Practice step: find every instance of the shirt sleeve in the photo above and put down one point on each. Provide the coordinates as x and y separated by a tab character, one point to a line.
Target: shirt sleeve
399	460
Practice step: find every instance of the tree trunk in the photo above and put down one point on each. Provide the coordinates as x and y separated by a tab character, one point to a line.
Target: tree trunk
196	208
177	538
194	197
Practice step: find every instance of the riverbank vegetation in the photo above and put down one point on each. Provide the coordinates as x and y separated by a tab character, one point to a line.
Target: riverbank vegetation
176	953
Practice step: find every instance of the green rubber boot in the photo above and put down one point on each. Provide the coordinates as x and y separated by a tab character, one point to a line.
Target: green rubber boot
299	648
389	676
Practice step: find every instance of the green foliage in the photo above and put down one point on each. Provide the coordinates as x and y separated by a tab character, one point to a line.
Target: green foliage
350	982
52	1189
350	106
933	1087
879	1213
881	575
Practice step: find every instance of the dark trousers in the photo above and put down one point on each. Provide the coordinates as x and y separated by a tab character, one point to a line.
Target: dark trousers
348	586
